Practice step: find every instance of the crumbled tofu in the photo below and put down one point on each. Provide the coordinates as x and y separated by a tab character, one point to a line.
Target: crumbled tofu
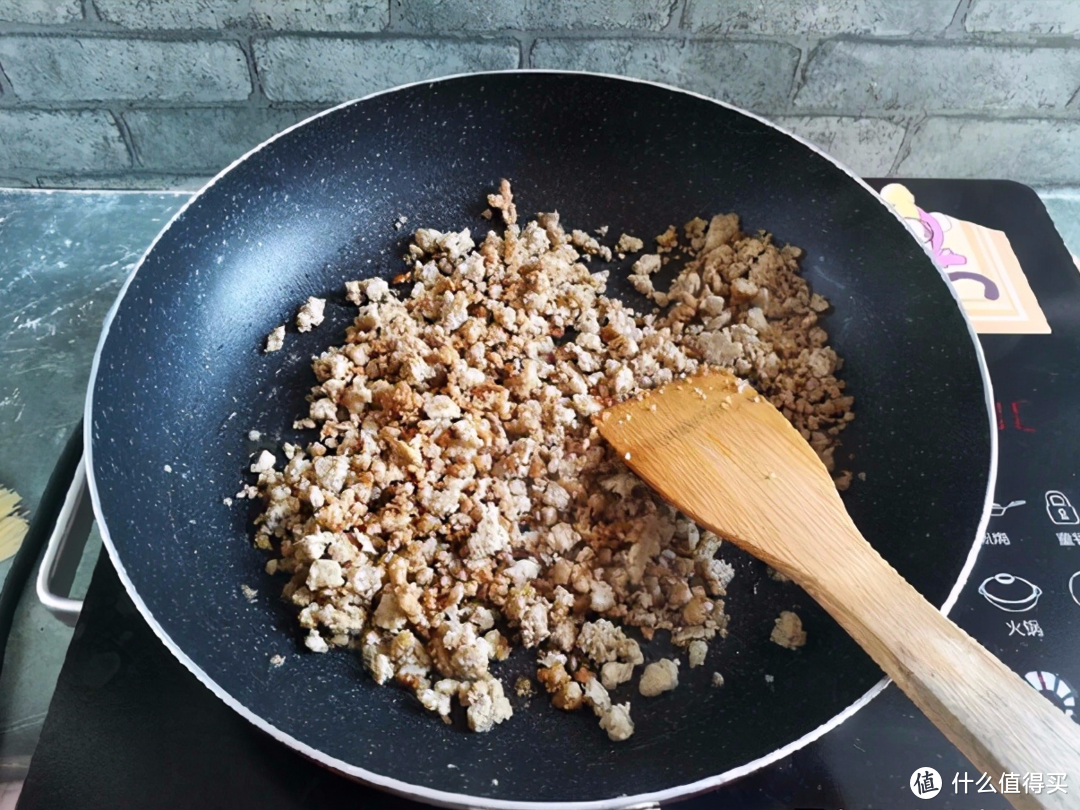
596	695
603	597
331	472
275	340
389	615
617	723
310	314
374	290
696	652
264	463
603	642
788	631
435	701
382	670
614	673
646	265
277	660
717	680
249	593
523	687
589	246
324	574
487	705
777	576
490	536
667	241
614	719
504	203
658	677
568	697
454	498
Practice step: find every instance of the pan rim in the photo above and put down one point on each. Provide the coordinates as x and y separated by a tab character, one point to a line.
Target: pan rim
448	798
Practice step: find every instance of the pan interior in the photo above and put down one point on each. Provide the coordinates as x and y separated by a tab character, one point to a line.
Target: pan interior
181	380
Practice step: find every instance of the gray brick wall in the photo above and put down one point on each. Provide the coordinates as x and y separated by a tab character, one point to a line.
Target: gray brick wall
163	93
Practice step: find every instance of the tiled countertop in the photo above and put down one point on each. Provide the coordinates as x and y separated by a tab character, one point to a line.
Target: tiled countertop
63	258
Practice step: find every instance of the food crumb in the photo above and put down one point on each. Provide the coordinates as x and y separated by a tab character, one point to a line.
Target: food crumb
503	202
249	593
275	340
769	679
277	660
788	631
717	680
843	480
168	468
659	677
227	501
264	463
602	230
629	244
614	673
316	643
777	576
486	705
311	314
495	782
617	723
254	435
697	651
668	240
523	687
861	476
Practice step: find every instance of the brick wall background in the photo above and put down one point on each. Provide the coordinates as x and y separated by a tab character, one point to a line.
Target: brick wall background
163	93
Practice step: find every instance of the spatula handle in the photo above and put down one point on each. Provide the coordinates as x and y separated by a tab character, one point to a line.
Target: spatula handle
998	721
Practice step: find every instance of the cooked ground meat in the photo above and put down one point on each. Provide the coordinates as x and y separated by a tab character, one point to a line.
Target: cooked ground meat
788	630
457	499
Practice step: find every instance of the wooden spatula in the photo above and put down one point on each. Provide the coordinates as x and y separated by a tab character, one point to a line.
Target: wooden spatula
728	459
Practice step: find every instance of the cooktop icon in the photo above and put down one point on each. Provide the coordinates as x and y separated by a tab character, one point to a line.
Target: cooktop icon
1010	593
1061	512
997	510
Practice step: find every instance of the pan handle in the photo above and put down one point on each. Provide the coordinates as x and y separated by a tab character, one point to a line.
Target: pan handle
64	549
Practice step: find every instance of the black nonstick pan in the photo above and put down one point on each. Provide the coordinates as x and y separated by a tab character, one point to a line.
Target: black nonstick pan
180	379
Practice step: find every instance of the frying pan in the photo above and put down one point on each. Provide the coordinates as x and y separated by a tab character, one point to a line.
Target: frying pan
179	379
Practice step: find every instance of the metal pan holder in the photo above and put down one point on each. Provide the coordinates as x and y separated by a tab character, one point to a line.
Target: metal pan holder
64	550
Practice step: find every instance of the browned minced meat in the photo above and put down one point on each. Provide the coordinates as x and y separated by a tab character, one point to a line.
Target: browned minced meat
788	630
456	498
